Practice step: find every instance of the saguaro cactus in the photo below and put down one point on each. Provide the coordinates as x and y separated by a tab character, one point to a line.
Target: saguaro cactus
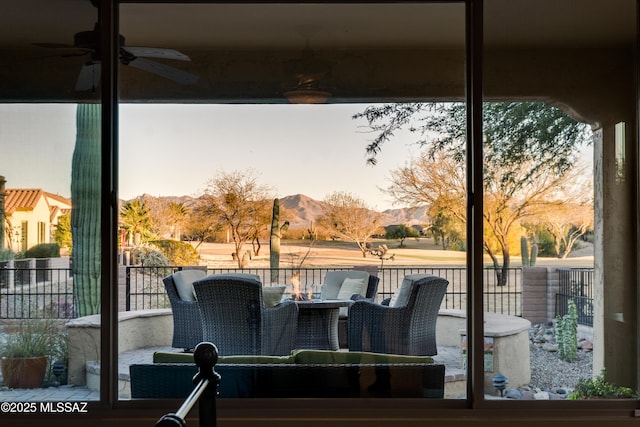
85	214
567	333
2	217
528	260
274	242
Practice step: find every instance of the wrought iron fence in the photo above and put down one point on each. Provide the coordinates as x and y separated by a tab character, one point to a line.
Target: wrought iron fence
40	292
576	284
144	288
36	293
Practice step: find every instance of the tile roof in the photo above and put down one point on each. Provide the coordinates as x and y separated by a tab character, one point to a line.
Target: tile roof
58	197
22	199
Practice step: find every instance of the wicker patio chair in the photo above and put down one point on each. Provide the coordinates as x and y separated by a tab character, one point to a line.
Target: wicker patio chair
370	295
235	320
406	328
187	325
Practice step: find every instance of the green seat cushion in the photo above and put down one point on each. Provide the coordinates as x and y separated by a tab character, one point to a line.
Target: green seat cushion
255	360
303	357
169	357
328	357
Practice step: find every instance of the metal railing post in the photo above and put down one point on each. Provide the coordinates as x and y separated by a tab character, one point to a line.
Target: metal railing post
207	380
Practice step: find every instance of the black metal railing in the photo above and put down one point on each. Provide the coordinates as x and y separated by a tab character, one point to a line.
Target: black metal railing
576	284
48	292
144	288
36	293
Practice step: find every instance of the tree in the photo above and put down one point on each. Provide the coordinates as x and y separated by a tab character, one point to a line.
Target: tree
241	204
514	132
566	224
446	229
62	234
529	150
261	222
438	182
348	217
572	217
156	207
176	216
136	222
401	232
202	224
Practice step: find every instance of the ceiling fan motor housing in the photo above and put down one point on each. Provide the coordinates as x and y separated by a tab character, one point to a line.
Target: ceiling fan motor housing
91	39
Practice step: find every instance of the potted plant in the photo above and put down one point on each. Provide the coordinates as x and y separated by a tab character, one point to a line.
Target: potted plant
25	351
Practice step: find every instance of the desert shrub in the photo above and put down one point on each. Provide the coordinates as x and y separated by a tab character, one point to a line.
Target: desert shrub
545	242
600	388
6	254
178	253
147	256
43	250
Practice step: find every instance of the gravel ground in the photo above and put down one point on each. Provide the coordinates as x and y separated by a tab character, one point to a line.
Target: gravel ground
549	372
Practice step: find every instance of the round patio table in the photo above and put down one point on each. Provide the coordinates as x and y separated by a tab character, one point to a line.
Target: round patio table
318	324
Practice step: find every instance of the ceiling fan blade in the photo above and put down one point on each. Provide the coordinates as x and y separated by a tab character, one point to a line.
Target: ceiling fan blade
54	45
89	77
65	50
165	71
157	52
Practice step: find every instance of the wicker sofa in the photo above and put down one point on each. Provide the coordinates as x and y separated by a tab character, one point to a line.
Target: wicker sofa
304	373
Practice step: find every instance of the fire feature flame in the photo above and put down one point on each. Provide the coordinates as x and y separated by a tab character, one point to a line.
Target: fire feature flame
296	293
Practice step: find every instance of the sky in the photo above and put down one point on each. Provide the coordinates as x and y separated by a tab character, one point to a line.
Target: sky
175	150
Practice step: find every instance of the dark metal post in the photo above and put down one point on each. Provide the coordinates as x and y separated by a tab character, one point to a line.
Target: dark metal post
206	380
127	289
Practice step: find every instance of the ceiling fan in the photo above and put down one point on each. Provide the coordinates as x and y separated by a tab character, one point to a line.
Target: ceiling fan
88	43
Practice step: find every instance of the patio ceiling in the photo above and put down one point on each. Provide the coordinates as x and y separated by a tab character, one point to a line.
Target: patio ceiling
240	51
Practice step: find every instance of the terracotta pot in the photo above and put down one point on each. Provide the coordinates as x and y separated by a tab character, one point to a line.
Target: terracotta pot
27	372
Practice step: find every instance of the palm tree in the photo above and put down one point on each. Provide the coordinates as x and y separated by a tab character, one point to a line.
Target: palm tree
136	222
176	215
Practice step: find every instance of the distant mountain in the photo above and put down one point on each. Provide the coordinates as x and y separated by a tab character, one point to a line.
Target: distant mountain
188	201
407	216
303	210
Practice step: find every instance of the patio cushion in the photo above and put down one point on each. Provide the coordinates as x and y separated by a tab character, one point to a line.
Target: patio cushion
350	287
255	277
184	283
333	281
401	297
302	357
272	295
169	357
328	357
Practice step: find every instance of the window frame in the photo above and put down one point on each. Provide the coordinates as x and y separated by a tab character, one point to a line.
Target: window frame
284	410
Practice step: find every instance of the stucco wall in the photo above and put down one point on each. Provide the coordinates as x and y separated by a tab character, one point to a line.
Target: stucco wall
136	329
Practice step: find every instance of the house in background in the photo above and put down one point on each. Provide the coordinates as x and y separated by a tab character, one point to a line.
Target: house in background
31	217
